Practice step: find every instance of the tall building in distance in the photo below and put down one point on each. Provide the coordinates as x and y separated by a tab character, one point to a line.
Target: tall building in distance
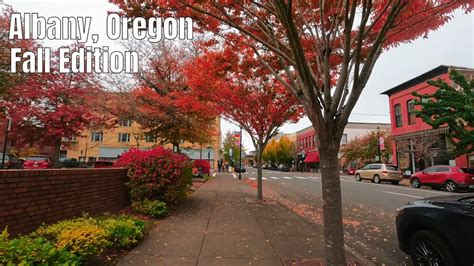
110	144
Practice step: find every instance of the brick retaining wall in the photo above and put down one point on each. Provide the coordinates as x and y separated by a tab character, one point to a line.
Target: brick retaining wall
30	198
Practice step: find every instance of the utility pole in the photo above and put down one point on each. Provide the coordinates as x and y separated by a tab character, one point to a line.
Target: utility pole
7	129
240	154
378	145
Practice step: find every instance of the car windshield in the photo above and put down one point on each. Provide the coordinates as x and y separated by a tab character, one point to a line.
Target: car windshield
391	167
36	159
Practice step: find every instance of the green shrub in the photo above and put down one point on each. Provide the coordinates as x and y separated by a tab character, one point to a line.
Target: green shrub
33	250
123	231
71	241
54	230
81	236
157	174
83	241
154	208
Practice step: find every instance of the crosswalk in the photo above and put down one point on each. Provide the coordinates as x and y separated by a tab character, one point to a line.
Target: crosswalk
312	178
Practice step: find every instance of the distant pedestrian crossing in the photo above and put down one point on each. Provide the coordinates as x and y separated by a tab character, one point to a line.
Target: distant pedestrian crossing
313	178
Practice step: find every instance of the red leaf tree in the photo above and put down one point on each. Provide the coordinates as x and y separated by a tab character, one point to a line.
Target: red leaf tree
327	50
244	91
162	102
48	107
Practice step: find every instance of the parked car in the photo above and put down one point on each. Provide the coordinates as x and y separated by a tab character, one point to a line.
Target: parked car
378	172
450	177
272	166
11	161
103	164
68	163
239	169
438	231
37	162
265	166
351	171
283	168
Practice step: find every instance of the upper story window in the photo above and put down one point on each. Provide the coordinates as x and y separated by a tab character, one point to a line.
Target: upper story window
124	137
398	115
125	123
411	112
150	138
97	136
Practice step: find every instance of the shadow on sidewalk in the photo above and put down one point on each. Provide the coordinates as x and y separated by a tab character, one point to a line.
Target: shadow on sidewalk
221	224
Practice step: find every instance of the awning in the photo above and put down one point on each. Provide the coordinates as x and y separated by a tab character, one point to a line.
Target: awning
312	157
423	133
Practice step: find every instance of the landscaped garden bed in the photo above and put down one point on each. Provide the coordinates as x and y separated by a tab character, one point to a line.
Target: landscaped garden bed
159	181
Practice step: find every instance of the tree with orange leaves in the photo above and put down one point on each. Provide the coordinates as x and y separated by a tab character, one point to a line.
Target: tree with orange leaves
245	92
323	52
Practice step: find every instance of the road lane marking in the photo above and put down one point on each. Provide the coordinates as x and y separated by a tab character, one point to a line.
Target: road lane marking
234	175
301	177
274	177
314	177
213	175
252	178
397	187
264	178
400	194
286	177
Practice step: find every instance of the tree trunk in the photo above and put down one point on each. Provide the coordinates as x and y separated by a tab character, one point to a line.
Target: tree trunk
332	206
57	151
259	175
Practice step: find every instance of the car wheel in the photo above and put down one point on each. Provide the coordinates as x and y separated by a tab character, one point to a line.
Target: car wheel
426	248
396	182
358	178
377	179
451	186
415	183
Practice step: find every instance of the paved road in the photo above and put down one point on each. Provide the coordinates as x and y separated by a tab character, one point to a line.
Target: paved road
369	209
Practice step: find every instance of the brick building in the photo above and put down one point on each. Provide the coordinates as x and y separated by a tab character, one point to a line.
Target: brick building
307	153
416	144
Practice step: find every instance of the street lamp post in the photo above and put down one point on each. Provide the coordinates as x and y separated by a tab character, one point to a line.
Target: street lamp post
378	145
7	129
240	154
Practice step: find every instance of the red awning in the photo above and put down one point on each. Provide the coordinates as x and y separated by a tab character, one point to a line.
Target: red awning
312	157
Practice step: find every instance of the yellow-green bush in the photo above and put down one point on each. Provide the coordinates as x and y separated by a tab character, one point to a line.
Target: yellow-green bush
54	230
33	250
83	241
154	208
70	242
123	231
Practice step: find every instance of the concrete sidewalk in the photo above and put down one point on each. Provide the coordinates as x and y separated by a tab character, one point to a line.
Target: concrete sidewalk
221	225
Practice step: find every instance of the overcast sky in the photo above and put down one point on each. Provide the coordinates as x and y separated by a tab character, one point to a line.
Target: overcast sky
453	44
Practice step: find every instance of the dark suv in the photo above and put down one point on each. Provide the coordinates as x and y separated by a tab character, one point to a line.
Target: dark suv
438	231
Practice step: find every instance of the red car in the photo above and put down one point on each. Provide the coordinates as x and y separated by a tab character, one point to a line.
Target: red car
37	162
351	171
450	177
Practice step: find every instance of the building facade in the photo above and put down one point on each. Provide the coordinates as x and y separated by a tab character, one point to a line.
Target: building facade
307	143
110	144
416	144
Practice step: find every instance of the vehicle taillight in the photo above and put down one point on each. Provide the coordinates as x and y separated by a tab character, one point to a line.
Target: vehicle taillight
384	172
